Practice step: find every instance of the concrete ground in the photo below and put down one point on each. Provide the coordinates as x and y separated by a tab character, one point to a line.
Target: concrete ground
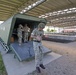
14	67
66	64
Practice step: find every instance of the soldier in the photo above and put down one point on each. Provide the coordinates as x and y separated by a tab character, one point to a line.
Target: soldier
19	30
26	33
36	35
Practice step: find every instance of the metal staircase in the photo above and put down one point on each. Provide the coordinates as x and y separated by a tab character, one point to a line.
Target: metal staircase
4	45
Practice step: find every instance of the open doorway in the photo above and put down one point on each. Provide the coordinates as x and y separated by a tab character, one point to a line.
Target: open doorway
31	24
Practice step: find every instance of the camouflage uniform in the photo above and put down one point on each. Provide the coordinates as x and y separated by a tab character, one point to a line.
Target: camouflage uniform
38	45
19	30
26	30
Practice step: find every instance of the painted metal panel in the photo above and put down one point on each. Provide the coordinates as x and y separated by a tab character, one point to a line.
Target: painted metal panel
28	17
26	51
5	29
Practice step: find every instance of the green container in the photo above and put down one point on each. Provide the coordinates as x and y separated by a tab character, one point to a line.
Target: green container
8	27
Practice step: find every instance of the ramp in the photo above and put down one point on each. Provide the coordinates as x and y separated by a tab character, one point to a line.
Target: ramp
25	51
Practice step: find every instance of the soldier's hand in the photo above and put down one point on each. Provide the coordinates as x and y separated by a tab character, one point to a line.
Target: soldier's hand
38	38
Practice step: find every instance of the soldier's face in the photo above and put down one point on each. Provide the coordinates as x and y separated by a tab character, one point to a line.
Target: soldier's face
41	28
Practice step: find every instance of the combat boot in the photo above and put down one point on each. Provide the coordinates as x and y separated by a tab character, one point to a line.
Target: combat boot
38	70
42	66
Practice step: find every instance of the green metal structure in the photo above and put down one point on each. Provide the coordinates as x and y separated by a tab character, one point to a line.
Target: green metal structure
6	28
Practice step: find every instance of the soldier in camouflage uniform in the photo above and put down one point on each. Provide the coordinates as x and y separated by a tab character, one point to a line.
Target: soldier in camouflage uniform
37	37
19	31
26	33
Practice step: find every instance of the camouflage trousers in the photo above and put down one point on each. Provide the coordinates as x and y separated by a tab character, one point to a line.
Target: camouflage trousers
20	38
38	53
25	37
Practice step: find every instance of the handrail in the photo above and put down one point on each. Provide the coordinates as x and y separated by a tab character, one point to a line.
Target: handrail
5	46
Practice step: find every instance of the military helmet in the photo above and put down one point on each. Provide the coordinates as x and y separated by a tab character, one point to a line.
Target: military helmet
20	26
41	25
